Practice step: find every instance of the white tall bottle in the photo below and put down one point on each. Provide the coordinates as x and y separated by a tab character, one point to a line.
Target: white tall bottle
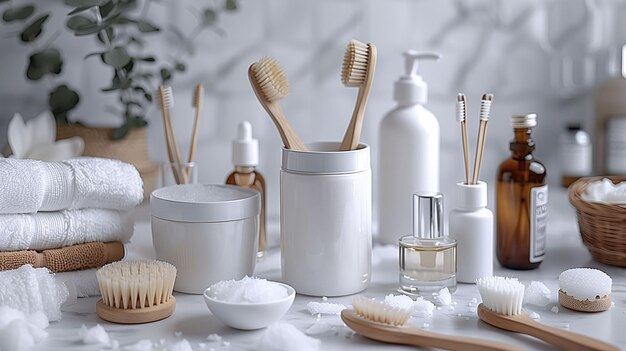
409	152
471	224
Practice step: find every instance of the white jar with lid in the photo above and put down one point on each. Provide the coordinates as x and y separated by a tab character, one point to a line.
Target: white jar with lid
325	219
208	232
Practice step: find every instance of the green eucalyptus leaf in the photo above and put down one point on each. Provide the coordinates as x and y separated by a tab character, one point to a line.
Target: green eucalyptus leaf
97	53
183	41
148	97
180	67
117	57
147	27
135	40
106	8
84	3
33	30
62	100
230	5
116	84
146	59
129	66
18	13
139	121
209	17
165	74
79	22
109	33
132	103
121	132
79	10
44	62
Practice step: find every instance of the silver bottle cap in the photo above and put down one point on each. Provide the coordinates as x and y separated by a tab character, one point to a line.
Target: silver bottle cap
524	121
428	215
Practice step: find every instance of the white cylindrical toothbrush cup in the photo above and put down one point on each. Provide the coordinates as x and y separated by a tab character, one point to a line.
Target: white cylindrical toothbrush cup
325	219
471	224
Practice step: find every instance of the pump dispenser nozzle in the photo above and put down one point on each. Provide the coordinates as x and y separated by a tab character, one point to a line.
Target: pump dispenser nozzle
411	88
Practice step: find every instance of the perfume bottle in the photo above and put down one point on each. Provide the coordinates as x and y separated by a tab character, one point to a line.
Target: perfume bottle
521	201
245	158
427	258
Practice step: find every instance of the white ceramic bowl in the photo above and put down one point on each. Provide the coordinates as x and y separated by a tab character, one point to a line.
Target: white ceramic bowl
250	316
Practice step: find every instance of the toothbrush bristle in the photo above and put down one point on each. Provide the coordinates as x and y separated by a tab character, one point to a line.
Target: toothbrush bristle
355	62
501	295
271	79
168	97
460	107
197	96
485	106
379	311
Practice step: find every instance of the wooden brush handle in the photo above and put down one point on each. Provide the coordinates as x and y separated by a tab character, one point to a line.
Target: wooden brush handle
412	336
465	152
290	138
353	133
166	125
562	339
480	149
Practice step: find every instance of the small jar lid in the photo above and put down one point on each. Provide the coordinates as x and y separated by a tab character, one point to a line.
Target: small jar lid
524	121
204	203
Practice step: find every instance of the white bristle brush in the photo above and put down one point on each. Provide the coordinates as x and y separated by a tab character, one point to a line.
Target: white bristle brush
461	117
485	111
166	103
502	308
359	64
379	321
270	84
136	291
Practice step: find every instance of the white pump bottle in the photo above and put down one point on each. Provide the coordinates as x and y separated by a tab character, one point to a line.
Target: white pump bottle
408	152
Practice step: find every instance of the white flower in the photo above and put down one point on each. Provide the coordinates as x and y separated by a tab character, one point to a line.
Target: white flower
35	139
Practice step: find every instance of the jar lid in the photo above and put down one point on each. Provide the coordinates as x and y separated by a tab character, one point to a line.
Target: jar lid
204	203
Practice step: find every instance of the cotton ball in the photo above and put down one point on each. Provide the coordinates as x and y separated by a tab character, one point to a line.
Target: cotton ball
16	336
94	335
284	337
537	293
8	315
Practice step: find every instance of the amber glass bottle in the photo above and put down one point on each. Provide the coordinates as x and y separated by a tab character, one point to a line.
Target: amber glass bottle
245	158
521	201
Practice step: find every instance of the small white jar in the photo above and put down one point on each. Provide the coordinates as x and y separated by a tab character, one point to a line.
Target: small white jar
325	219
208	232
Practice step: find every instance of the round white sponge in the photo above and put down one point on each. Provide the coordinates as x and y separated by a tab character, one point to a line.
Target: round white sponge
585	283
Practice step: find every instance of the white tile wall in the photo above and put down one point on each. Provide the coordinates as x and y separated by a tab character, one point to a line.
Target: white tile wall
509	48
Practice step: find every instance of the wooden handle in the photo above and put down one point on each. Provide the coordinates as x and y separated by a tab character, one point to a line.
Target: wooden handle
412	336
480	147
290	138
562	339
168	143
465	151
353	132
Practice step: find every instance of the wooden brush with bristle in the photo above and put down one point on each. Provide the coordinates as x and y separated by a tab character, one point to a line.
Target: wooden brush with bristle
165	98
198	94
359	64
136	292
270	84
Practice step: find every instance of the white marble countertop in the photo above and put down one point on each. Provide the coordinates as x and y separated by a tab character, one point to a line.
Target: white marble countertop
193	321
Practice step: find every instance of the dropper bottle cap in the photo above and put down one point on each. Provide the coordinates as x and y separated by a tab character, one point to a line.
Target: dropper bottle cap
410	88
245	148
428	215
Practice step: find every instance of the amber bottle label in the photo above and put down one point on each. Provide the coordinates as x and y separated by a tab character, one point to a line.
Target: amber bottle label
538	223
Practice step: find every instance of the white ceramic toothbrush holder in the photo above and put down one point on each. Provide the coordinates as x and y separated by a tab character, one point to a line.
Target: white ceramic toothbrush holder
325	219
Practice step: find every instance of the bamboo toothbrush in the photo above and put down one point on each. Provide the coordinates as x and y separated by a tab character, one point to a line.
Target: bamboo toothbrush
198	94
166	103
359	64
485	110
461	115
381	322
270	84
502	308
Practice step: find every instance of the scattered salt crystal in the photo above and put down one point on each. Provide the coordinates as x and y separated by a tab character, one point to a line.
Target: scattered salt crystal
537	293
214	337
19	332
115	344
425	325
451	308
318	316
201	345
467	318
474	300
443	297
534	315
459	315
161	341
178	333
182	345
94	335
141	345
554	309
324	308
324	298
565	325
318	328
284	336
612	304
585	283
454	303
438	308
349	334
248	290
226	343
400	301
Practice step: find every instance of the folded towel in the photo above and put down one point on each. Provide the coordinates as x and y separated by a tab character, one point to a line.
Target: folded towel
29	186
69	258
31	290
51	230
83	283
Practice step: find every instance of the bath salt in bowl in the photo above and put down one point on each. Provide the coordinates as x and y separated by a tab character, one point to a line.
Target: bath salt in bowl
585	290
249	303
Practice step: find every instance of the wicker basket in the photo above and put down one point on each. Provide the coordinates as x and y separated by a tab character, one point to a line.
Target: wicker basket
602	226
132	149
